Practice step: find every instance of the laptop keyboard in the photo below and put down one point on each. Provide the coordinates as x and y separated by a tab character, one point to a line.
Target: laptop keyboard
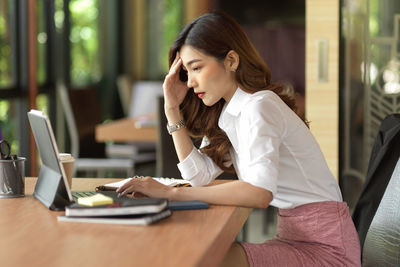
112	194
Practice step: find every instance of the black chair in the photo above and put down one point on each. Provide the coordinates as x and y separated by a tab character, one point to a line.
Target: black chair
166	158
377	212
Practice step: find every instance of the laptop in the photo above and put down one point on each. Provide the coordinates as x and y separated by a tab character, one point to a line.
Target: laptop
52	188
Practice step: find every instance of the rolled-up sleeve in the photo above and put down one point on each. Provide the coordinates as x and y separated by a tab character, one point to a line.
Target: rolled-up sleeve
263	142
198	168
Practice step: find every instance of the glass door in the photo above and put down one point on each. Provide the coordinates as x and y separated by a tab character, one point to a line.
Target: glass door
369	83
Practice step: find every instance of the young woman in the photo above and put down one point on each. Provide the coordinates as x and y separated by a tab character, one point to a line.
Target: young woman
220	89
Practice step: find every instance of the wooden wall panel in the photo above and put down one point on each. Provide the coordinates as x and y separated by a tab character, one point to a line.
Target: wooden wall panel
195	8
322	97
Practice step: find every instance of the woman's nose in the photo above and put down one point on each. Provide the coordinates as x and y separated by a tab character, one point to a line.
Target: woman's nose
190	81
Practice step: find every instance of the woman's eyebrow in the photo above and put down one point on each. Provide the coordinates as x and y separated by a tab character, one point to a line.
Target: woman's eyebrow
193	61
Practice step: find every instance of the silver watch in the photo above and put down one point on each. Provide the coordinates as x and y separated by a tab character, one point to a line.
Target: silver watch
175	127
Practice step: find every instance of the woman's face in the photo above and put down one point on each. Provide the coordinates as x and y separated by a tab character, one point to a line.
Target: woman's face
210	79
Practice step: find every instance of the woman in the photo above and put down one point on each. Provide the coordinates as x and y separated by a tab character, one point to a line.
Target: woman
219	88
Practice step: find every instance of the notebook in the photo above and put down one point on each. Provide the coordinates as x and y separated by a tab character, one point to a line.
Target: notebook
127	220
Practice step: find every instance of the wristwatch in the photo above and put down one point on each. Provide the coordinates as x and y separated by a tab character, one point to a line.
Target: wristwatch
175	127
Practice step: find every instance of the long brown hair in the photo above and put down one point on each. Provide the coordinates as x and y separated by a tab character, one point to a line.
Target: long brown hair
216	34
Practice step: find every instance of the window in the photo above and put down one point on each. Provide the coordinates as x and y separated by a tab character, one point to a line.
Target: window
41	43
5	47
84	39
160	34
172	24
8	124
68	49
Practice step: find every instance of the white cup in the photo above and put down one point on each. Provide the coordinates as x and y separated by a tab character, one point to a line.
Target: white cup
67	161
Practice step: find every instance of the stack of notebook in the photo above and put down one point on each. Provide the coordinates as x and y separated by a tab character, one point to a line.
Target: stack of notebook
138	211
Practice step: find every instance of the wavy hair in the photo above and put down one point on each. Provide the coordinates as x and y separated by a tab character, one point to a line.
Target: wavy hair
215	34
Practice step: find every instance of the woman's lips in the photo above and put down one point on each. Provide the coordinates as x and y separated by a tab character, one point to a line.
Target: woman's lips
200	95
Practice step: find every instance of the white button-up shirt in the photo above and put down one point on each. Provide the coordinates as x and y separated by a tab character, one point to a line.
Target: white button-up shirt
272	148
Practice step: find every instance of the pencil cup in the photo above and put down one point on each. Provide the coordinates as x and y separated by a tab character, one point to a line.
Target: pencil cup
67	161
12	178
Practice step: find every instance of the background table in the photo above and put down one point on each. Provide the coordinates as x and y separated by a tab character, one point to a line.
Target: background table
124	130
30	235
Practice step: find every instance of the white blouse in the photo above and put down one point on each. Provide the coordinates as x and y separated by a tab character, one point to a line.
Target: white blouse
272	148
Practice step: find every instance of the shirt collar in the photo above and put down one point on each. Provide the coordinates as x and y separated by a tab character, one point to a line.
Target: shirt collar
237	103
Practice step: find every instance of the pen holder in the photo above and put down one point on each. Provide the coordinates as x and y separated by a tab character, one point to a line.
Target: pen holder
12	178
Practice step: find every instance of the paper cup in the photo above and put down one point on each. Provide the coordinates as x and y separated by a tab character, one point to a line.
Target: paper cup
67	161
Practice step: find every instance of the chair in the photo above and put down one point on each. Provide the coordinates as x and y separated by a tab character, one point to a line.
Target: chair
377	212
142	99
167	160
124	85
97	165
382	242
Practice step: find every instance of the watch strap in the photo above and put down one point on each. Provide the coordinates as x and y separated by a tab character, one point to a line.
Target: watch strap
175	127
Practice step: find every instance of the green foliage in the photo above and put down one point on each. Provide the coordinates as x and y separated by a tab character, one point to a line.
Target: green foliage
5	50
374	18
84	40
41	43
172	23
42	103
8	125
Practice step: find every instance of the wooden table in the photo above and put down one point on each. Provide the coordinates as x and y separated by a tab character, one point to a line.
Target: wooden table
30	235
124	130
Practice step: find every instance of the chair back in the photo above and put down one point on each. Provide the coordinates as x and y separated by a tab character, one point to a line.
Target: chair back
377	210
82	112
144	98
124	85
167	160
382	243
62	92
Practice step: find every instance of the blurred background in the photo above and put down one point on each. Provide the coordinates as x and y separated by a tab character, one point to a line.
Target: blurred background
90	44
87	63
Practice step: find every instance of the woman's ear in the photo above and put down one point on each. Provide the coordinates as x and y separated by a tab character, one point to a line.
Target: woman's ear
232	60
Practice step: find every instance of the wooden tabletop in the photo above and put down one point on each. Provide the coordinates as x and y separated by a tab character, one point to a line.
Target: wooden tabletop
124	130
30	235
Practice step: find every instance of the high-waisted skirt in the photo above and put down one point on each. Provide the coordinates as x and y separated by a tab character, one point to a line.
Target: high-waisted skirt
315	234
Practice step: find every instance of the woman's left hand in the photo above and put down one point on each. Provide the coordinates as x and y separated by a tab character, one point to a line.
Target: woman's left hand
146	186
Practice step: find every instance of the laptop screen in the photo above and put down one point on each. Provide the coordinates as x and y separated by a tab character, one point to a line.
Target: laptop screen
52	187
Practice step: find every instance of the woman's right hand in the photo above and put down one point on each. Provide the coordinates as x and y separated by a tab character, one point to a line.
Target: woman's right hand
174	89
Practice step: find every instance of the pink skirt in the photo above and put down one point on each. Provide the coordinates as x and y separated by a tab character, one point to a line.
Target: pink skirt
315	234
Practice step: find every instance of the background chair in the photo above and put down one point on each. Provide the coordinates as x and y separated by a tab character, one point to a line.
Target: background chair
124	85
167	160
81	131
138	99
377	212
